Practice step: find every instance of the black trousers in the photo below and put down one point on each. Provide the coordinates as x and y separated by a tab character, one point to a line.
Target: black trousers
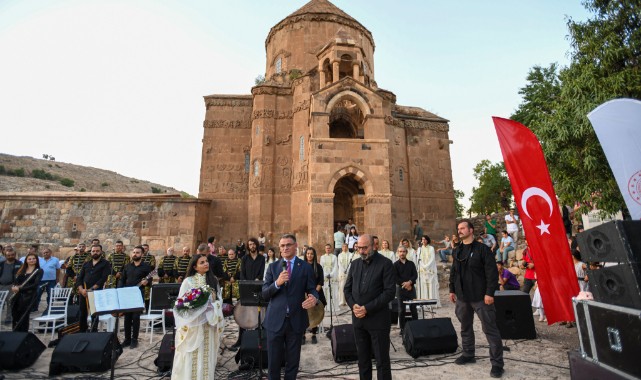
132	321
84	314
377	341
292	343
511	287
487	314
401	308
528	285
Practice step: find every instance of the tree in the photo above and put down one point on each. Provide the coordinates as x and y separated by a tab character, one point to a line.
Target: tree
458	195
493	180
605	64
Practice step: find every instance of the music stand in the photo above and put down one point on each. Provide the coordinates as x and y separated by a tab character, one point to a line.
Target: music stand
251	294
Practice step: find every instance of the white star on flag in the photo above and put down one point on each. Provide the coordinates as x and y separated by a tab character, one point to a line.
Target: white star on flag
544	228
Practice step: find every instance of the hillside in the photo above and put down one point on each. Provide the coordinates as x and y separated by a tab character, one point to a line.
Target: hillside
84	178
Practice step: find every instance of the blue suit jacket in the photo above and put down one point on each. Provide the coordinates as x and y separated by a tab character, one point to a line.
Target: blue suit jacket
293	294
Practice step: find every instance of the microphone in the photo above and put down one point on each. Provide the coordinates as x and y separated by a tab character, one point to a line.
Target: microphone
284	269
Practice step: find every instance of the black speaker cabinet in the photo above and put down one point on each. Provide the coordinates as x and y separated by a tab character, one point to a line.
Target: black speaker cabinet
165	359
429	336
84	352
344	343
19	350
617	285
610	336
582	368
514	314
614	241
247	356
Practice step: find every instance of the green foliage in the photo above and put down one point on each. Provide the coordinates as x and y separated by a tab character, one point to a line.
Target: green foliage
155	190
458	195
3	171
486	198
68	182
604	65
295	74
43	174
17	172
259	80
82	189
186	195
104	184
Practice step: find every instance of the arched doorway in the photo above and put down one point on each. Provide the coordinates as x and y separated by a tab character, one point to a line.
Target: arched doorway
346	120
349	202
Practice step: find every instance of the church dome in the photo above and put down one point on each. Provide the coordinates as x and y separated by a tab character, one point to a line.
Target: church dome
294	42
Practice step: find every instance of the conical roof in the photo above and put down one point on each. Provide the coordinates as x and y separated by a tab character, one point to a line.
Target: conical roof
320	9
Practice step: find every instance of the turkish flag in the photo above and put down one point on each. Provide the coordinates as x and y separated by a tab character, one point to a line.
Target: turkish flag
541	218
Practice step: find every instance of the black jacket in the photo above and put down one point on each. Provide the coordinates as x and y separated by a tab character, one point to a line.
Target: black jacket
478	271
374	291
94	276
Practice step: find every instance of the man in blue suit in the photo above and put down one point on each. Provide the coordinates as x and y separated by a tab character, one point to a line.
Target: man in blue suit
290	289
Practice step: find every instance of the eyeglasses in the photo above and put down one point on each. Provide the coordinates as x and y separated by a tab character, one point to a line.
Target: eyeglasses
362	248
286	245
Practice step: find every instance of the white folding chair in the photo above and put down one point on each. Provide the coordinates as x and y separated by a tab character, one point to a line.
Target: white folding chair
153	318
57	314
3	299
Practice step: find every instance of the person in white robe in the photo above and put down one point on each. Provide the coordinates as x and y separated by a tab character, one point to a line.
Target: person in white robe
199	330
329	262
428	274
386	252
344	260
411	253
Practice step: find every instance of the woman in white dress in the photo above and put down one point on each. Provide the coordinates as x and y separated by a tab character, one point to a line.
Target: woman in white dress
329	262
198	331
385	251
344	259
428	273
272	256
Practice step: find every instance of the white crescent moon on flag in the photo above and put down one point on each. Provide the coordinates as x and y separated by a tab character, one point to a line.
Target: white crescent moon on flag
531	192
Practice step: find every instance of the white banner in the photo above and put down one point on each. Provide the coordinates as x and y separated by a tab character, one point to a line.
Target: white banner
617	124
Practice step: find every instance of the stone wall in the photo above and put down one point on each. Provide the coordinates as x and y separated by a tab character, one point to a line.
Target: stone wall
62	220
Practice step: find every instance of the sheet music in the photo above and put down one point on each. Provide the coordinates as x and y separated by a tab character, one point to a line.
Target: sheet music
130	298
105	300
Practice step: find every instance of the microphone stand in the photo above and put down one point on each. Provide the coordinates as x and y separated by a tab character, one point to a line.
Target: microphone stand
418	259
331	306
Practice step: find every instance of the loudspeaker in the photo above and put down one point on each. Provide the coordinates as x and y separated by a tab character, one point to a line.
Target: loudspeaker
344	343
585	369
514	314
19	350
429	336
247	356
84	352
73	314
617	285
614	241
165	359
393	310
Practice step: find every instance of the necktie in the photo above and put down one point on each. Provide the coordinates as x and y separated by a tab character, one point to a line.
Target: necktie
289	269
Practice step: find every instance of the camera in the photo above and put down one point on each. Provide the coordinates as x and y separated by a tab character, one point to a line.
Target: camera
525	264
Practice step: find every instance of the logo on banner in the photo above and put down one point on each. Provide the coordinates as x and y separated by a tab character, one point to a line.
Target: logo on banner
536	191
634	186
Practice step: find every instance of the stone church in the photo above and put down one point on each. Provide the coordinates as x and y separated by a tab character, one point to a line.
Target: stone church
318	142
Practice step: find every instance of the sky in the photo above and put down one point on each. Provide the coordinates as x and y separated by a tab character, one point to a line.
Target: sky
119	84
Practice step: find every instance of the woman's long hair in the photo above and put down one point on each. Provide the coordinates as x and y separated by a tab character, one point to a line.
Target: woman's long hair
276	255
315	261
212	281
23	268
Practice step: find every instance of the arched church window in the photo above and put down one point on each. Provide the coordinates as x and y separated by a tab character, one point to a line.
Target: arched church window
346	67
279	65
301	149
247	162
400	174
256	168
346	120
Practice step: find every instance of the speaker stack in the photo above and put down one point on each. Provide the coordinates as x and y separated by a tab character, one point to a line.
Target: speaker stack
610	326
19	350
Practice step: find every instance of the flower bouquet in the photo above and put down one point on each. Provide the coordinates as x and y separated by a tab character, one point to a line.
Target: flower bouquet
193	299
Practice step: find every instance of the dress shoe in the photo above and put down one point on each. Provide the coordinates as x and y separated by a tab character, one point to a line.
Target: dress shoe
464	360
496	372
126	343
314	340
134	343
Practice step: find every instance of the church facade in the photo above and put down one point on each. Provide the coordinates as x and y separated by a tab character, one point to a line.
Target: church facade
318	142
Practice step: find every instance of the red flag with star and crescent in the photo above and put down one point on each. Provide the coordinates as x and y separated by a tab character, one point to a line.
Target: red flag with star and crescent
541	218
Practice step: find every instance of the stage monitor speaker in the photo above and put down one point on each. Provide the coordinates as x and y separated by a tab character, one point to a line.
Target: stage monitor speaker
617	285
429	336
586	369
84	352
617	241
247	356
514	314
165	359
344	343
19	350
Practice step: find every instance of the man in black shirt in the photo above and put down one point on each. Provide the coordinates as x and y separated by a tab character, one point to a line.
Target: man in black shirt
93	276
406	276
473	281
134	274
369	288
